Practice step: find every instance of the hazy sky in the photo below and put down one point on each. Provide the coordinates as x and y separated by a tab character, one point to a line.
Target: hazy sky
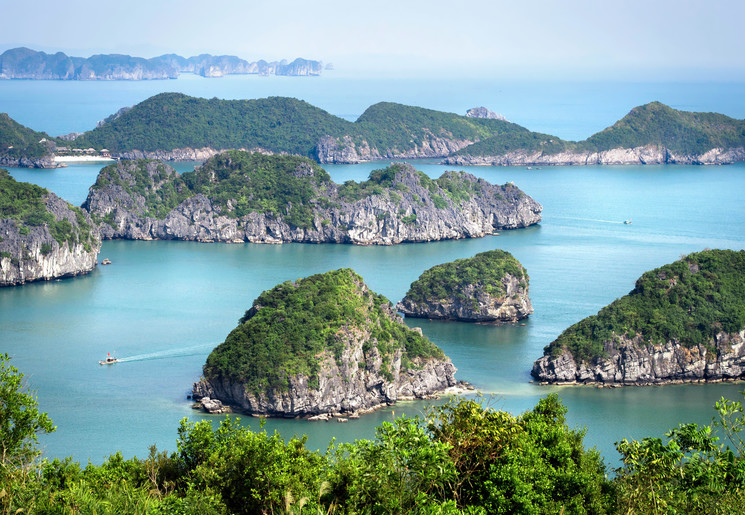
635	39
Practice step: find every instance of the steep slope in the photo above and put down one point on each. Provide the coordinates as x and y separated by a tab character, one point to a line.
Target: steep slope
682	322
239	196
175	126
20	146
323	344
489	287
41	235
649	134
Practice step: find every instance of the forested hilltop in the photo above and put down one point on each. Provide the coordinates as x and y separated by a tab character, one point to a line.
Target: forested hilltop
322	345
650	134
462	458
173	126
240	196
682	322
20	146
178	127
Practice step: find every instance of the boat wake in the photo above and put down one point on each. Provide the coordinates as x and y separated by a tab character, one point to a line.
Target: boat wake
590	220
194	350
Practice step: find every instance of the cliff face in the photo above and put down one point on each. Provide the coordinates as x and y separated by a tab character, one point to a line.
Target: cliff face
631	361
28	162
345	151
404	212
327	345
345	387
37	255
645	155
472	303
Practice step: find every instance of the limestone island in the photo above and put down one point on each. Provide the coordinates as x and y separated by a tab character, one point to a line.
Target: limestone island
239	196
320	346
42	237
489	287
683	322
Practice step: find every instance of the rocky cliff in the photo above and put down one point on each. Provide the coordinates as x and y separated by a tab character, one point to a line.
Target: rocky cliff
634	361
345	151
489	287
645	155
232	198
42	237
683	322
28	162
322	345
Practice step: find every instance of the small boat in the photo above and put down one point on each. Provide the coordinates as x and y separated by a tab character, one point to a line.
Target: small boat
110	360
627	222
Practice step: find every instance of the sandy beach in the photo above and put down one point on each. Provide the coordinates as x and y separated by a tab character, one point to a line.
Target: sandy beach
82	159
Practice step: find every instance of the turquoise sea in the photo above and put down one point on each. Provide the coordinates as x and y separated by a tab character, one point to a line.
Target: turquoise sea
162	306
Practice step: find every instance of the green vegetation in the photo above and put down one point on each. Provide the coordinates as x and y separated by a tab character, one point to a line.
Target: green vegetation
162	188
242	183
681	132
397	127
21	421
500	144
690	300
173	120
17	141
486	270
466	458
299	323
25	204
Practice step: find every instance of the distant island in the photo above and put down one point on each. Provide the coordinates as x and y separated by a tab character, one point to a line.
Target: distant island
683	322
178	127
42	237
489	287
24	63
318	346
239	196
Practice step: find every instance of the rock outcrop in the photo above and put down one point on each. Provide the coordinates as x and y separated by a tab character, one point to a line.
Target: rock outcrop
490	287
483	112
28	162
645	155
683	322
410	208
63	243
632	361
345	151
364	362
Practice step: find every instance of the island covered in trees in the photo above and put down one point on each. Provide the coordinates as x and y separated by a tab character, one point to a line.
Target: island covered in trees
178	127
682	322
489	287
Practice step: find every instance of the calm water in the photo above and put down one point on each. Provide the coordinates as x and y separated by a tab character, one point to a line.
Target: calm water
163	305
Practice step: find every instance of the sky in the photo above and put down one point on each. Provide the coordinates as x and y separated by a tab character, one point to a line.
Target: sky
634	39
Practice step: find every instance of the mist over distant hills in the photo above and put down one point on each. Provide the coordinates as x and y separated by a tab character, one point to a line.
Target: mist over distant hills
24	63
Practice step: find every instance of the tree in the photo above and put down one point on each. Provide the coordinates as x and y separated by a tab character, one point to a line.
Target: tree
20	420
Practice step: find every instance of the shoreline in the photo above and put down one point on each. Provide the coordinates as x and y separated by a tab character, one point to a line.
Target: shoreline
83	159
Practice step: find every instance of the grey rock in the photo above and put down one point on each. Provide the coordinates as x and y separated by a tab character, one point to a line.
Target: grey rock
473	304
483	112
345	151
396	216
632	361
650	154
37	255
